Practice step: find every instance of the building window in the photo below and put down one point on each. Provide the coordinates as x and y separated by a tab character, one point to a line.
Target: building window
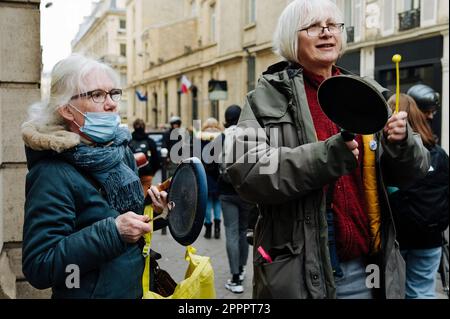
133	57
428	12
179	97
251	11
251	73
155	109
123	80
410	4
123	49
122	24
193	8
353	19
194	92
410	17
388	12
166	101
212	22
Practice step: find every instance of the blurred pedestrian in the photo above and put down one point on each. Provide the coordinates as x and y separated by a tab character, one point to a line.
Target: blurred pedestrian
142	143
235	210
421	210
426	99
168	143
171	138
83	197
310	160
211	130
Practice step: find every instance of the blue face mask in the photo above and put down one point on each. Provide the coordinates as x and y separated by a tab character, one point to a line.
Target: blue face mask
101	127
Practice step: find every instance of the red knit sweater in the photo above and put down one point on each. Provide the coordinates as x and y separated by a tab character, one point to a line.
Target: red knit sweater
351	221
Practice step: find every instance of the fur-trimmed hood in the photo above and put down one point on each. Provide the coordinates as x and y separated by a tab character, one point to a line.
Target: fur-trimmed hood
49	138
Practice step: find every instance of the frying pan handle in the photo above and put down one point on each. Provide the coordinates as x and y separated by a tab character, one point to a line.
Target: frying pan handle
164	186
347	136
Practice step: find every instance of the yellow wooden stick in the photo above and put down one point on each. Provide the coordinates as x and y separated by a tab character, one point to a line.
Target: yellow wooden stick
396	59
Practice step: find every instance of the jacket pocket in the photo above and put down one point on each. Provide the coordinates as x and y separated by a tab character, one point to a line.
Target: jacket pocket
272	121
395	274
283	278
100	289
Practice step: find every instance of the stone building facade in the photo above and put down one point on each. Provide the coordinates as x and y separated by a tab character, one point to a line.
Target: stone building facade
102	35
20	72
203	40
230	40
416	29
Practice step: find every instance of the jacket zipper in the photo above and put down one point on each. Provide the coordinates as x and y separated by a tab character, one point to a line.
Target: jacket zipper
315	206
386	197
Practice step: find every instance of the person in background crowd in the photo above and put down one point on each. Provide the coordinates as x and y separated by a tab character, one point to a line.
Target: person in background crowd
235	210
210	130
307	244
168	143
421	247
141	142
83	196
426	99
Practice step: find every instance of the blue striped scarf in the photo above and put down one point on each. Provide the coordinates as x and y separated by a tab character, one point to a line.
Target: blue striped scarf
106	164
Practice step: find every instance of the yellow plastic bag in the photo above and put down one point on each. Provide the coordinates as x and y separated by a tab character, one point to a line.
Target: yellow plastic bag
199	276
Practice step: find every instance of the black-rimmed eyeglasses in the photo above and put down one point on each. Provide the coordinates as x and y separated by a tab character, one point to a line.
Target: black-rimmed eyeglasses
99	96
316	30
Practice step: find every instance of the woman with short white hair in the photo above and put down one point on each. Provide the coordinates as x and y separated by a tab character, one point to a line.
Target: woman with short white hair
313	238
84	201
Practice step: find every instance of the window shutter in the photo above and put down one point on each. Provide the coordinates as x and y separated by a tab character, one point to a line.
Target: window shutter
428	12
358	19
389	14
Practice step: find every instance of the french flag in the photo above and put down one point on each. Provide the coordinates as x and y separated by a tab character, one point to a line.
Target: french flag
185	84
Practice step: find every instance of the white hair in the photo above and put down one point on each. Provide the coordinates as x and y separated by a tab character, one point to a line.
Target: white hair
301	14
68	78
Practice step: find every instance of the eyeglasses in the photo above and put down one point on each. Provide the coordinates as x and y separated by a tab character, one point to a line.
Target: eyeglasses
316	30
99	96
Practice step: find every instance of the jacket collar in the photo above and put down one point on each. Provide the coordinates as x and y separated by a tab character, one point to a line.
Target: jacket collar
49	137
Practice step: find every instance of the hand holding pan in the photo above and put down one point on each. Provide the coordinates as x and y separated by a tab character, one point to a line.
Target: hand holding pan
354	104
164	187
187	196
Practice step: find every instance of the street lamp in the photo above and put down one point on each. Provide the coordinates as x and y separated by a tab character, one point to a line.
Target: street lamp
48	4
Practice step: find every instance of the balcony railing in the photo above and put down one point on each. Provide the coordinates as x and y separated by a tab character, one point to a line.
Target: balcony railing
350	34
409	19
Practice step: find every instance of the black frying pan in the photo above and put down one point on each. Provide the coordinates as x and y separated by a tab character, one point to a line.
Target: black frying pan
354	104
188	190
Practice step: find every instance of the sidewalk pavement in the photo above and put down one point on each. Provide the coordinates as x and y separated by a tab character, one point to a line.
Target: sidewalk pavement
173	261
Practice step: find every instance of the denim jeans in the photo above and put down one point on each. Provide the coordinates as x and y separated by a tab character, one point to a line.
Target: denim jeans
332	244
235	218
352	283
421	269
213	203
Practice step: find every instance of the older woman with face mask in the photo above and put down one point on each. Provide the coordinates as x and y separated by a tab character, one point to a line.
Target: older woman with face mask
314	237
84	201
